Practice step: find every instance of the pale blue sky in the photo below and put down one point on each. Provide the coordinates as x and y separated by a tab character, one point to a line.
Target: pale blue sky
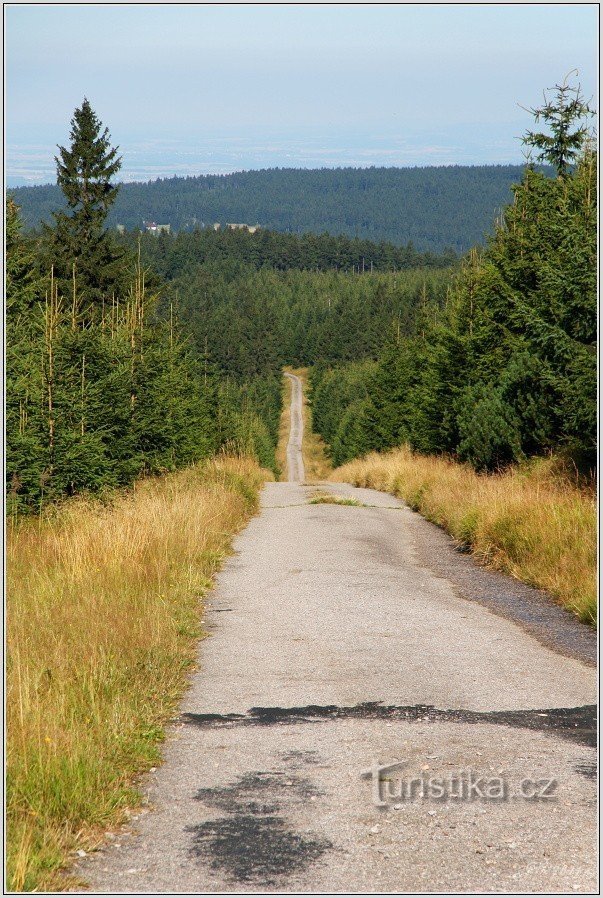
188	89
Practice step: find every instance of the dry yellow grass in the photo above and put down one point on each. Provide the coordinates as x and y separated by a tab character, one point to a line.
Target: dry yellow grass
103	617
530	522
316	463
284	429
322	498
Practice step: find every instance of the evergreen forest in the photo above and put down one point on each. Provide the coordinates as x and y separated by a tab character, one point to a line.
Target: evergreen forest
436	208
505	369
134	354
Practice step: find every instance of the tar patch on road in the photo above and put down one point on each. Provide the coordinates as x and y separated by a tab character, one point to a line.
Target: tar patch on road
576	724
253	842
587	769
298	758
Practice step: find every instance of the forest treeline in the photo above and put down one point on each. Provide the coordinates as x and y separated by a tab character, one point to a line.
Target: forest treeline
136	354
254	320
171	254
100	388
100	394
506	367
437	208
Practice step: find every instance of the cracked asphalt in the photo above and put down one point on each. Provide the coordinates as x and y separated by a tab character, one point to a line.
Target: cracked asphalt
336	648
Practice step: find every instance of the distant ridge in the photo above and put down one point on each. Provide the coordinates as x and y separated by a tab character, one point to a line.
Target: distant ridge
435	208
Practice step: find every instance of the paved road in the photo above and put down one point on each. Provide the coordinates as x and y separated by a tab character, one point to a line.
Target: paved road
335	649
295	461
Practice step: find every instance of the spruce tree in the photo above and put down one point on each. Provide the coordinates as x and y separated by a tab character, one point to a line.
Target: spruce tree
79	247
565	115
26	457
22	286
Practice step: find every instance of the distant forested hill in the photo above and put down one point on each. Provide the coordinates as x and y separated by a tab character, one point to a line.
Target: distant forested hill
437	208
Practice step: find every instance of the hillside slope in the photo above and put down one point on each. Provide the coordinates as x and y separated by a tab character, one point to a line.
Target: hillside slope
434	207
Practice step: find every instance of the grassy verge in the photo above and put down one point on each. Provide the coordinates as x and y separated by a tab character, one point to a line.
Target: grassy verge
320	498
316	463
103	617
284	429
530	522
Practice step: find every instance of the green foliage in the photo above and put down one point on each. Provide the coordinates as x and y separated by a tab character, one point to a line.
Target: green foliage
256	303
565	116
333	390
245	321
85	170
437	208
25	444
79	248
352	437
493	361
506	367
172	254
22	287
385	408
257	320
92	405
488	430
527	385
249	415
339	408
100	387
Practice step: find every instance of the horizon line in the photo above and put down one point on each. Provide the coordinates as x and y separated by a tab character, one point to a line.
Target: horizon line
243	171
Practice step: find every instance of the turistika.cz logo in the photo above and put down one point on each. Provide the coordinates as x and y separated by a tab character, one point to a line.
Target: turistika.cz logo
389	787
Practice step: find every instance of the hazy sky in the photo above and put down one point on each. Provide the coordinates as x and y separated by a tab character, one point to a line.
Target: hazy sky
191	89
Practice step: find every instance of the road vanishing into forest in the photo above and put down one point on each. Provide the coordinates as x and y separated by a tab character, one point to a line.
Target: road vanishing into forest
295	458
361	721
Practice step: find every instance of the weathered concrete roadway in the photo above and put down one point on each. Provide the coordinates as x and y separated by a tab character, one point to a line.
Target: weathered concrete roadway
333	646
295	459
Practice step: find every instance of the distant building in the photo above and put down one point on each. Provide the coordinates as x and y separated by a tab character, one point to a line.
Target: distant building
242	227
153	228
217	226
120	228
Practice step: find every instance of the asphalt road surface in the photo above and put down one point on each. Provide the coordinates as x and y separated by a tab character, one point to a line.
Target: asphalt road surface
336	648
295	461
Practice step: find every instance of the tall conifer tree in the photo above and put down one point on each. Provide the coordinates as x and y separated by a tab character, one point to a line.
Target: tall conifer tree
85	171
565	115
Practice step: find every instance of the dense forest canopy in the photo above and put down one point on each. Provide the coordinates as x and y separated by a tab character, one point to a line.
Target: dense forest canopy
136	353
170	254
100	387
436	208
506	369
257	321
253	317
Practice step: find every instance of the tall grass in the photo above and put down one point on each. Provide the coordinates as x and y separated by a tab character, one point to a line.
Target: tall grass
531	522
103	616
284	429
